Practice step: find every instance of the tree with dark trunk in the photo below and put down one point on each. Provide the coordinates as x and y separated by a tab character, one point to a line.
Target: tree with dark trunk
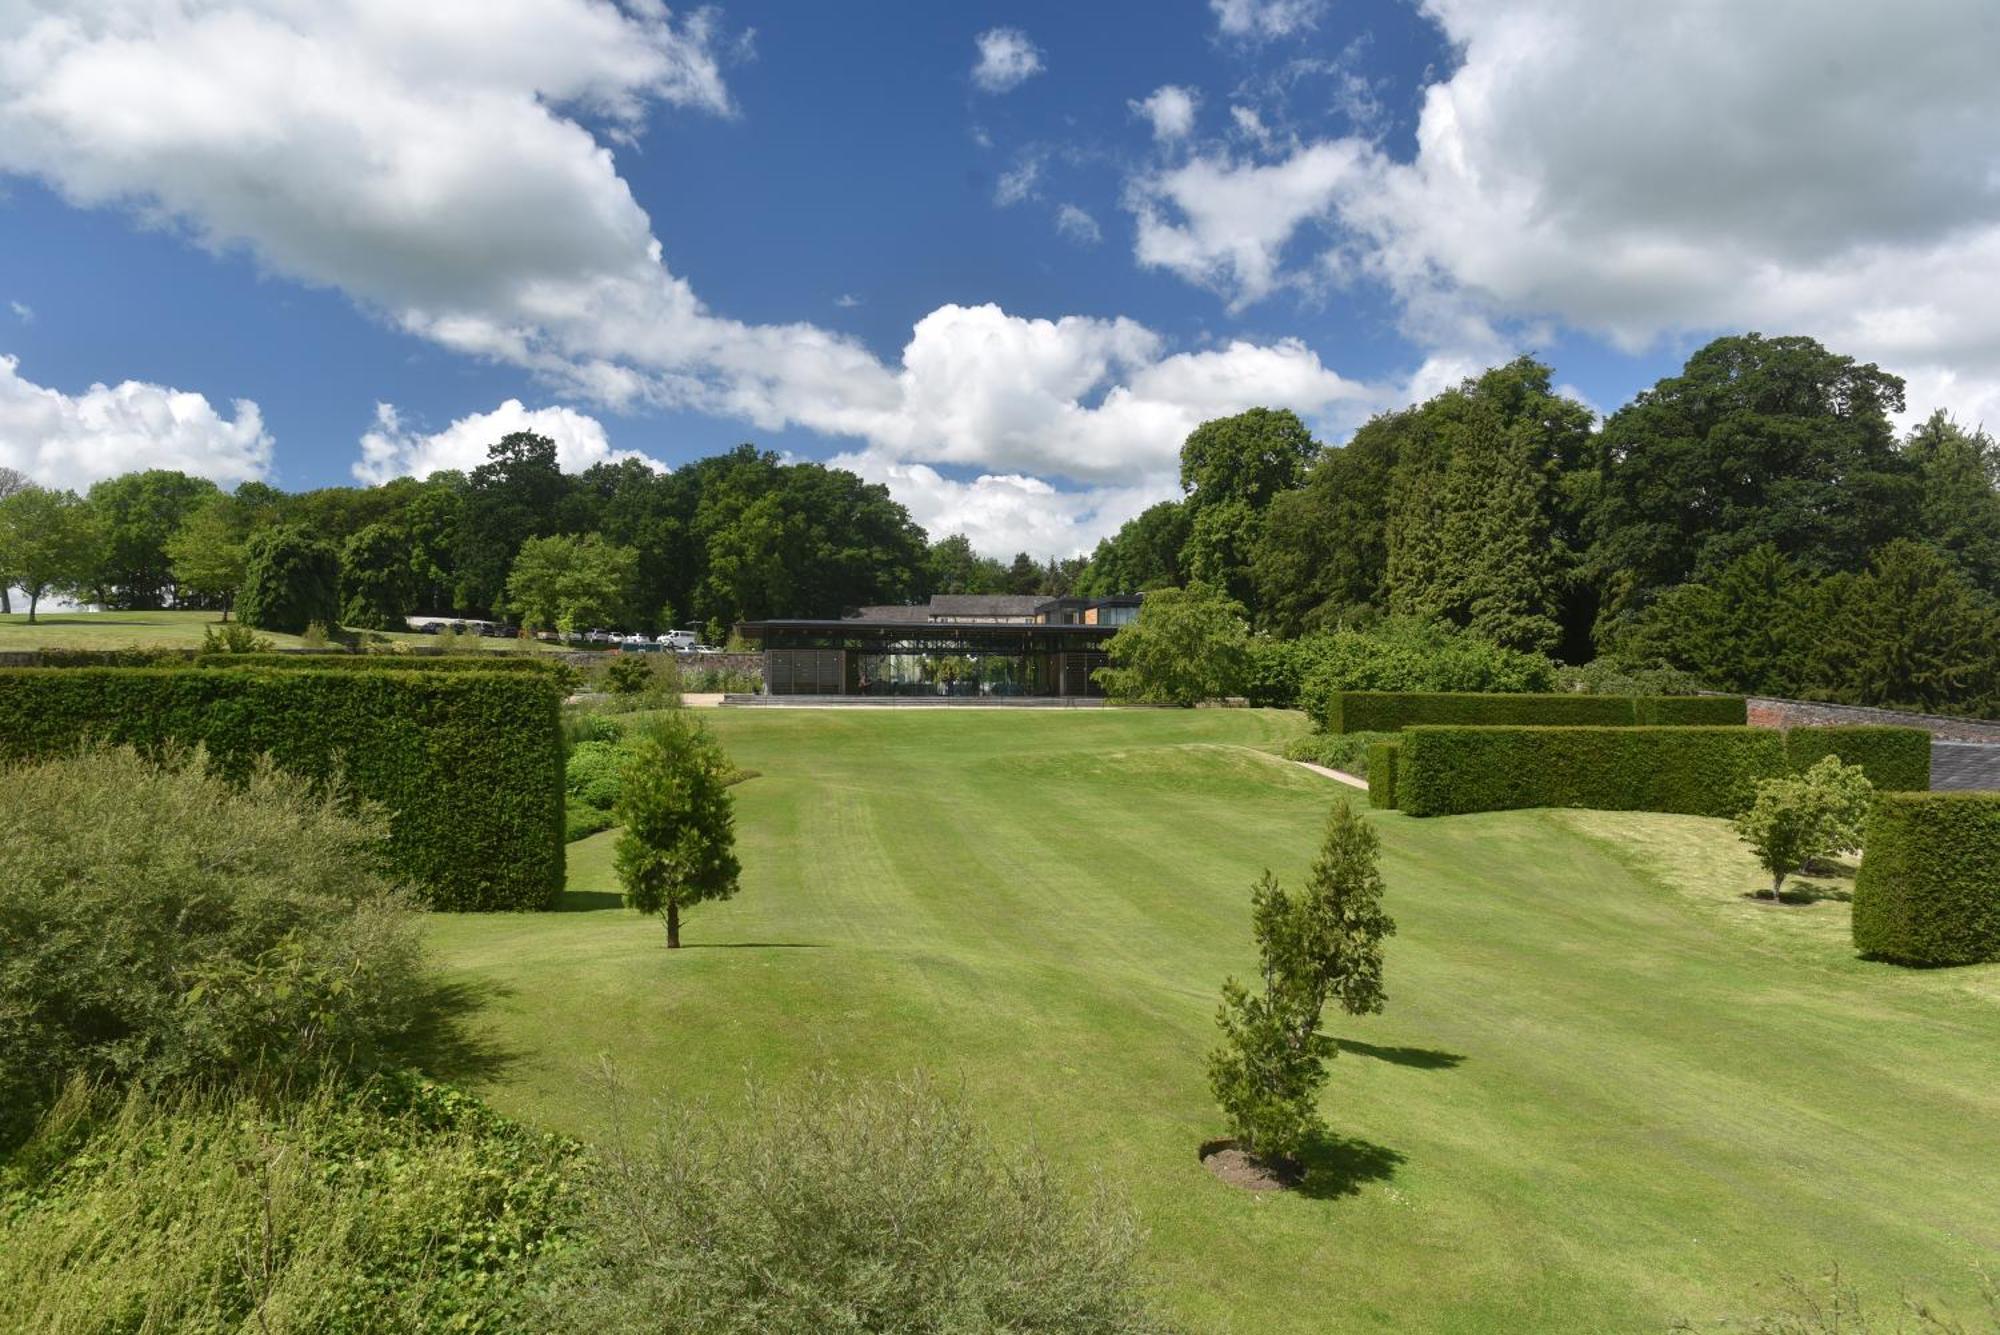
678	847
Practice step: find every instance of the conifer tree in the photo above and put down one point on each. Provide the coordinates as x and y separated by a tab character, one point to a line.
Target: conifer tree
678	847
1322	944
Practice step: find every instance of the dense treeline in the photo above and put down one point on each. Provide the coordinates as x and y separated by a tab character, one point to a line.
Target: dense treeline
1753	520
740	535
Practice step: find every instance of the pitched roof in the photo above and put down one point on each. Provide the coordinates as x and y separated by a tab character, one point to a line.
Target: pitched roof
890	612
985	604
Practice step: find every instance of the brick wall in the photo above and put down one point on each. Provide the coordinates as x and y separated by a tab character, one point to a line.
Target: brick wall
1770	713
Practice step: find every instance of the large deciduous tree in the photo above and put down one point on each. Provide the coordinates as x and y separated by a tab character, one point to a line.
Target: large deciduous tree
138	514
1185	646
1231	469
1758	440
291	580
1144	554
376	579
209	552
50	542
512	497
565	581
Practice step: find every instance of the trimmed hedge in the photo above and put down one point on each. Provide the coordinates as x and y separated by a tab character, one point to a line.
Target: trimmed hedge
1392	711
1690	711
1382	760
1443	771
382	662
1894	759
1929	887
468	764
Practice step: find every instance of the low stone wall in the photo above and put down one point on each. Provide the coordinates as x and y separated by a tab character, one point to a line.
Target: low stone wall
1766	712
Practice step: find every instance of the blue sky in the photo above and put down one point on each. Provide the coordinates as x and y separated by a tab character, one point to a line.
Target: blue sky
1000	257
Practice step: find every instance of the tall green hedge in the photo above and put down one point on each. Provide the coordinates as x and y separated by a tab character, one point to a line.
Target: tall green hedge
1894	759
468	764
1445	771
1382	761
1392	711
1929	887
388	662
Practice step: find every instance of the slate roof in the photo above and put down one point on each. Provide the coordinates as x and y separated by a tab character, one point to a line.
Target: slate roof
985	604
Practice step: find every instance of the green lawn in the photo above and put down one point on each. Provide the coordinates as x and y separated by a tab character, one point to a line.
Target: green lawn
1608	1091
151	630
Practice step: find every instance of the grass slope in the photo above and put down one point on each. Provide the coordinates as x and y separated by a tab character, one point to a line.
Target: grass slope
151	630
1608	1091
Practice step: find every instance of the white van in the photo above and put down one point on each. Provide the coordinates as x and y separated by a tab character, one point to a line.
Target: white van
680	641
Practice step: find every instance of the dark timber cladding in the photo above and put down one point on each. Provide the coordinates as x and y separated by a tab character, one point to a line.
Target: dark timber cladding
857	656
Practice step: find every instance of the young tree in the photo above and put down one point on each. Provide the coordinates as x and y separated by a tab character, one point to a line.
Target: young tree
678	847
290	580
1798	818
1324	944
49	543
209	552
585	580
1186	646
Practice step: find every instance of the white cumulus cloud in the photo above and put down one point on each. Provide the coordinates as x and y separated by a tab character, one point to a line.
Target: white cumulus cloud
433	164
392	449
1169	109
1007	59
73	440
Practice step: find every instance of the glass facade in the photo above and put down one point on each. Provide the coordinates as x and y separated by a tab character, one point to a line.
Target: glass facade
965	661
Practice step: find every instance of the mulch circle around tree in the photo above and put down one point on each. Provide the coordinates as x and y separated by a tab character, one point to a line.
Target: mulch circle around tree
1239	1168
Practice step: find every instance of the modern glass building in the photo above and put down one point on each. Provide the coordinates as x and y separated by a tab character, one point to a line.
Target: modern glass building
963	645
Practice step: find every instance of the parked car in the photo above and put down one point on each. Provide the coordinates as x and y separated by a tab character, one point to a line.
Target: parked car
428	628
680	641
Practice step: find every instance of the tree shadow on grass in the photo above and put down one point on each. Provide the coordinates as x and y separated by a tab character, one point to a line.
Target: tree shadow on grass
1799	892
753	945
1423	1059
589	901
1337	1166
442	1041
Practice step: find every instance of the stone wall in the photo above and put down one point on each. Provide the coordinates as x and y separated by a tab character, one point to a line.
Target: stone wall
1770	713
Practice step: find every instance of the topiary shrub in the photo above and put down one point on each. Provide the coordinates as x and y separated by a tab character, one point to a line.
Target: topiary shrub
160	924
469	765
1696	771
344	662
291	579
1929	887
1895	759
1690	711
1382	762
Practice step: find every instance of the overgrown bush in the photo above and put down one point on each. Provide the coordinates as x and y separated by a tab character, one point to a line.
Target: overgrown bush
1696	771
581	820
728	681
467	764
408	1208
640	682
162	925
1929	887
231	637
1276	671
591	775
1612	676
583	724
1344	751
862	1207
1404	654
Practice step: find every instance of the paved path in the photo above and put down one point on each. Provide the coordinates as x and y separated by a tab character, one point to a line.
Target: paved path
1347	779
